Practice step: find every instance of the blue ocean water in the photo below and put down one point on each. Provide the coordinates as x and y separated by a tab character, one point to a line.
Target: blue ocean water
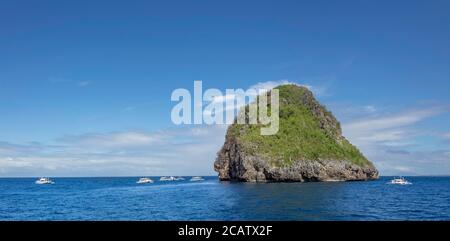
120	198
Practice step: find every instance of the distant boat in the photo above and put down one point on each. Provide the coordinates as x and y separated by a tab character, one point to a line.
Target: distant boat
196	179
167	178
144	180
399	181
44	180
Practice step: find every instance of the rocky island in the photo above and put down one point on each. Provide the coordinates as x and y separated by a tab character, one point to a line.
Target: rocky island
309	146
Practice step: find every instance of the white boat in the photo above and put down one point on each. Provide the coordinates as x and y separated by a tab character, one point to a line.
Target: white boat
196	179
167	178
44	180
179	178
144	180
399	181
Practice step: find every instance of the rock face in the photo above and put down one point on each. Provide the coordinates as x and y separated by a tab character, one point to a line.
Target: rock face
308	147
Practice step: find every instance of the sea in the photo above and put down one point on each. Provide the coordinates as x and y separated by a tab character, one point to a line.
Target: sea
121	198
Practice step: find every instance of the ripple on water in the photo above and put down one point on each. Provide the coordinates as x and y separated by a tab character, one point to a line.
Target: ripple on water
123	199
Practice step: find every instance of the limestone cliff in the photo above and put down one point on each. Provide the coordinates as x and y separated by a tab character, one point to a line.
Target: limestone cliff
308	147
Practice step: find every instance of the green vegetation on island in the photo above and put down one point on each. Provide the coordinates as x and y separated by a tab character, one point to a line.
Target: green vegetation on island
308	132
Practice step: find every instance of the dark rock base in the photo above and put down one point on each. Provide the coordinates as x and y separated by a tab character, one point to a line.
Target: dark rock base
231	164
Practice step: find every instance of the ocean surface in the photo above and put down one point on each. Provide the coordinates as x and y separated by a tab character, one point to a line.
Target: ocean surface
120	198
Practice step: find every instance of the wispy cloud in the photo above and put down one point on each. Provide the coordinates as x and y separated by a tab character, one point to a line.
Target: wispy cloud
446	136
78	83
189	150
370	108
83	83
390	141
395	120
114	140
403	162
268	85
391	127
384	137
7	148
349	112
177	151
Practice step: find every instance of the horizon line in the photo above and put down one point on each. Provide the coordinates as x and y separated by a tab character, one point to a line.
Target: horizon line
8	177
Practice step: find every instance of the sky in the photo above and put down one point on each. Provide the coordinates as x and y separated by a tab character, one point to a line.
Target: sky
85	86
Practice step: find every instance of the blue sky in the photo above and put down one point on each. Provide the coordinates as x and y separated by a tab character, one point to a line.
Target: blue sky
85	85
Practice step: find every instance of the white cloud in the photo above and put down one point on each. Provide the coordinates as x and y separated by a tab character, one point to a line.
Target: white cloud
115	139
412	162
268	85
370	109
446	136
388	128
177	151
11	149
383	138
393	121
403	169
388	135
13	162
389	141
